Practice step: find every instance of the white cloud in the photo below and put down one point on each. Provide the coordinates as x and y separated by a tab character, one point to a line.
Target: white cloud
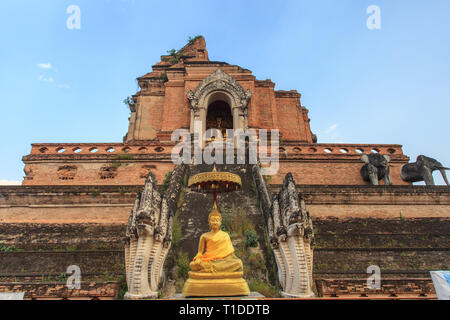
10	183
45	79
47	65
331	128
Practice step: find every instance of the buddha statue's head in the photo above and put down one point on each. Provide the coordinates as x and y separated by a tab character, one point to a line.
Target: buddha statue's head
215	220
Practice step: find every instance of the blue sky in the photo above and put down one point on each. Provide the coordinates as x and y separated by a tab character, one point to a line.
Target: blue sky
361	86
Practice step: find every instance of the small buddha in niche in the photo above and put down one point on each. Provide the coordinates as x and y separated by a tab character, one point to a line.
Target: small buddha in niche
219	122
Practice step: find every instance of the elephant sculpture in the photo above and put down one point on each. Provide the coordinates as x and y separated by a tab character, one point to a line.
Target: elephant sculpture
376	168
422	170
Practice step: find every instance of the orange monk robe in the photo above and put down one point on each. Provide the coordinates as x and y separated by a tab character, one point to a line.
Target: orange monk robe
219	246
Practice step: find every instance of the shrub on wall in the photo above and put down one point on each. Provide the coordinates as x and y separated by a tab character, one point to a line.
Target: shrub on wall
251	238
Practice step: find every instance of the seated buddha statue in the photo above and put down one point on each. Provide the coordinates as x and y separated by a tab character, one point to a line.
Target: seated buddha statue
215	270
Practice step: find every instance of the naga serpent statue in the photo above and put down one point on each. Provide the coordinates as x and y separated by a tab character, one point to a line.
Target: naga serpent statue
149	235
291	235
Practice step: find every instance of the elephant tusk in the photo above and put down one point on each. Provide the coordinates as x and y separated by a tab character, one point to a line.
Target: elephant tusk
444	175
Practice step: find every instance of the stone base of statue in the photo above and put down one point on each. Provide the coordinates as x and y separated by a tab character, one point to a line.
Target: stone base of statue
219	284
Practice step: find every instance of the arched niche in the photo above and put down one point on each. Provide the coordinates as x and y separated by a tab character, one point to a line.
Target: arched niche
219	86
219	116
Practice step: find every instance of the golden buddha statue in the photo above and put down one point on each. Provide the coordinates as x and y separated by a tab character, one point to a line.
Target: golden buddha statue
215	270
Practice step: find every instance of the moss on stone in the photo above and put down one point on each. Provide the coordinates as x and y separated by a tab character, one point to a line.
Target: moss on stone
123	288
236	222
166	181
263	288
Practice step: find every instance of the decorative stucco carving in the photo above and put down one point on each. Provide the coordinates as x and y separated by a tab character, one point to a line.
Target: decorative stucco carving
67	172
29	172
145	170
291	235
149	235
107	172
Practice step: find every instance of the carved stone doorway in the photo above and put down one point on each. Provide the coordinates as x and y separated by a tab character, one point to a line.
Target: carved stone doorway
219	86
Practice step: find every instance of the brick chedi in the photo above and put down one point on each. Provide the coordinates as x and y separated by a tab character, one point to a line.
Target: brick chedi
330	212
163	105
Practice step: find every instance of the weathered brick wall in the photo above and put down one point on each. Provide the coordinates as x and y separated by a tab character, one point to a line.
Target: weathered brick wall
65	237
390	288
99	169
129	164
66	205
326	172
112	204
397	245
288	107
377	202
57	290
355	227
148	117
106	262
262	117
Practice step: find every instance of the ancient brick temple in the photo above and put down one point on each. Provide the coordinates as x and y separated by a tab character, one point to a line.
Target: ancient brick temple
79	195
188	86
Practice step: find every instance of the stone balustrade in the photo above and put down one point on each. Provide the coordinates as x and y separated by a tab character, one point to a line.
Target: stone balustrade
288	149
98	149
340	149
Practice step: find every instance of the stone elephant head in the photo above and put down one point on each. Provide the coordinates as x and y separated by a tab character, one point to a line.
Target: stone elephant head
376	168
422	170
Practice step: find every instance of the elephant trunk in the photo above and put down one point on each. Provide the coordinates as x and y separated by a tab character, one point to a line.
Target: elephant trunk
444	175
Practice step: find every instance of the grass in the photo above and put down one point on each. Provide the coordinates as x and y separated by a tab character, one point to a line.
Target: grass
166	182
256	194
271	264
95	192
61	277
176	225
263	288
259	264
124	156
236	222
176	230
123	288
251	238
182	263
182	268
6	248
176	56
163	77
